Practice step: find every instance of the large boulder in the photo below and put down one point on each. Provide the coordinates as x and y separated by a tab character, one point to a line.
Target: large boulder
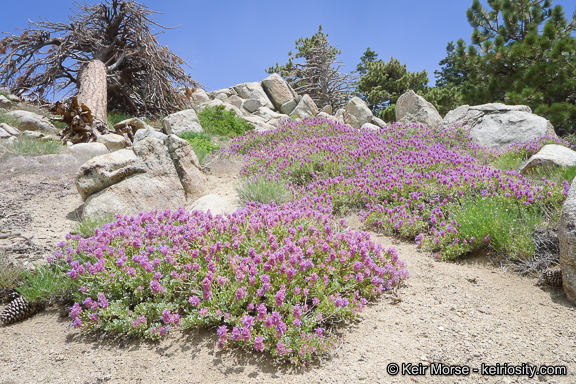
216	204
183	121
85	151
567	238
199	96
277	90
227	92
414	109
187	165
112	141
379	122
134	123
497	125
253	91
106	170
4	134
268	114
235	101
357	113
5	102
551	155
157	188
288	107
10	129
30	121
305	108
142	134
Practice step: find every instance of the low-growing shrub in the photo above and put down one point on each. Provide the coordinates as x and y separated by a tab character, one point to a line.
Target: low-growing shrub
201	143
217	121
30	146
263	191
272	278
407	180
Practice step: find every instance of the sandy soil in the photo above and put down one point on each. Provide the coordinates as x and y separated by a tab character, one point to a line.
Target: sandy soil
467	313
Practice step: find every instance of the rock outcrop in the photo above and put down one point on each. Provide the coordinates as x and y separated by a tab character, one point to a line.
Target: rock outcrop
567	238
497	125
279	92
551	155
112	141
153	174
85	151
414	109
357	113
216	204
183	121
30	121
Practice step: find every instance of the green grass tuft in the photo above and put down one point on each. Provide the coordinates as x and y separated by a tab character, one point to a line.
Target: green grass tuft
86	227
508	226
116	117
263	191
47	284
29	146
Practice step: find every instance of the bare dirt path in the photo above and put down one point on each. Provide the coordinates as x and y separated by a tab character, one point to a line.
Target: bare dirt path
468	313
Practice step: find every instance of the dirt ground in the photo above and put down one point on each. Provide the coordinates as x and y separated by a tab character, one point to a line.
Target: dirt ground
467	314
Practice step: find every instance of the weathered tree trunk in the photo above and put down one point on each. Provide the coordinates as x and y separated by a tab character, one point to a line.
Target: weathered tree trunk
92	90
86	115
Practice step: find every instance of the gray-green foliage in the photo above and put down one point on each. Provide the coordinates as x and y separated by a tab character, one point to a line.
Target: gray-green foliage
264	191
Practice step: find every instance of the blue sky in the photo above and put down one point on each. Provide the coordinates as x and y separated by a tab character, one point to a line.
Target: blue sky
230	42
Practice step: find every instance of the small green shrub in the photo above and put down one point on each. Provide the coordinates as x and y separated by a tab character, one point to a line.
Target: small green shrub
47	284
86	227
201	143
263	191
217	121
29	146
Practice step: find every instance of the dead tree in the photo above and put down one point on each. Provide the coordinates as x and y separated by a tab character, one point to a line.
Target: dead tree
321	78
107	54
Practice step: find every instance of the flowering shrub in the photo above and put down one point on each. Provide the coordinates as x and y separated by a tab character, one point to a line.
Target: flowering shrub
270	277
408	180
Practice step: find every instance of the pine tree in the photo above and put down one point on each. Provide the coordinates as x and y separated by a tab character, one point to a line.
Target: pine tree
522	52
451	73
385	82
319	74
369	56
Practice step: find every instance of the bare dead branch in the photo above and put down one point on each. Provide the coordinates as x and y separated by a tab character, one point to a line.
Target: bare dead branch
143	76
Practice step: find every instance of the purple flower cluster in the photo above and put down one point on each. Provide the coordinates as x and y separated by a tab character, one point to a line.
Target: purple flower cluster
405	179
261	274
